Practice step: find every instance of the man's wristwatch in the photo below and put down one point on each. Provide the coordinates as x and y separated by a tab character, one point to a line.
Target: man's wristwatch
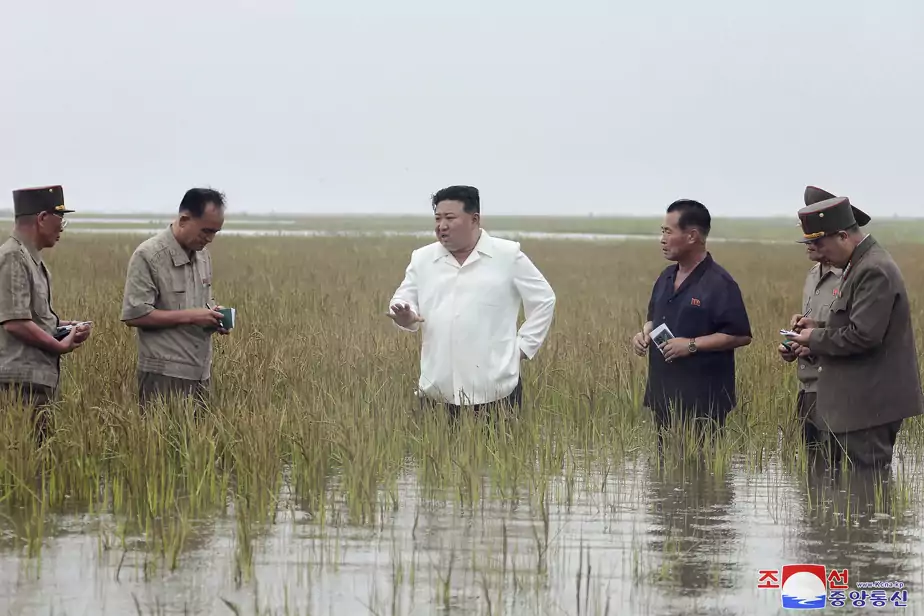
692	345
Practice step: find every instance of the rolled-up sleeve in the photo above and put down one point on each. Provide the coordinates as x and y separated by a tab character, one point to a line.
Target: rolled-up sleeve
140	289
15	291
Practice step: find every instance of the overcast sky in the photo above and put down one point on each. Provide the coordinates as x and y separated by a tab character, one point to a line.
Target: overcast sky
365	106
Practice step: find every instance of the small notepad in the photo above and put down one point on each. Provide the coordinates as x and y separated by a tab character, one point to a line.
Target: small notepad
227	319
660	335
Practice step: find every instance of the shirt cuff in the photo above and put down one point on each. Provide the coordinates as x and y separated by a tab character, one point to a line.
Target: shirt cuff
136	312
521	344
15	316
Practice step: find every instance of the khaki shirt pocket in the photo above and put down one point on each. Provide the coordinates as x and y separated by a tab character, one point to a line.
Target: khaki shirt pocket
179	296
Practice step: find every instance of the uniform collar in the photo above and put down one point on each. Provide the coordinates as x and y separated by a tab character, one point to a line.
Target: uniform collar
35	252
827	270
862	248
484	246
180	255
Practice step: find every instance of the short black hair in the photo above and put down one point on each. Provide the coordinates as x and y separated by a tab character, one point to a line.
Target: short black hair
692	214
196	199
468	195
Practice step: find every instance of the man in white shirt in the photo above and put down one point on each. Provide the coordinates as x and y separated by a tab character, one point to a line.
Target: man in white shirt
464	293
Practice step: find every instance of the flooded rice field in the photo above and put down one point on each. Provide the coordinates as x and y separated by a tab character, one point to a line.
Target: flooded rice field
316	486
641	541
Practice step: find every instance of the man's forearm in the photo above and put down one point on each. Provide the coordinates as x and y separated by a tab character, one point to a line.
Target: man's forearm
28	332
721	342
159	319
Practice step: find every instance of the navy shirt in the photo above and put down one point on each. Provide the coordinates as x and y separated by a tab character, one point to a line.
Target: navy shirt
708	302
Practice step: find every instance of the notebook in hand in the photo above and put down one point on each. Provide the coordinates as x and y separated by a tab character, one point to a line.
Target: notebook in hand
227	320
660	335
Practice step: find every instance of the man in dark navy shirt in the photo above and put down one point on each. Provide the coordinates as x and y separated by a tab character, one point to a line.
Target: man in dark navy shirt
692	376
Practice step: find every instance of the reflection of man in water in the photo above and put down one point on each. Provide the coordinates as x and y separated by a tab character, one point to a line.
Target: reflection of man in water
690	506
852	515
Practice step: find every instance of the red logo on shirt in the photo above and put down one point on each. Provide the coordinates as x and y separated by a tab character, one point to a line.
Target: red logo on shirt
694	301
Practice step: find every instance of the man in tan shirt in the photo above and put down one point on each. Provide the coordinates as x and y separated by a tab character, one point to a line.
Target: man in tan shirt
30	352
168	298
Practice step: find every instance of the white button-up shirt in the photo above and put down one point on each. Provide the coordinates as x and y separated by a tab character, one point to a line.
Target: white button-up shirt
470	352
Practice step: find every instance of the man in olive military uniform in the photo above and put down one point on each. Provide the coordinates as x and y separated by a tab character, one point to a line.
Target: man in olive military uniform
30	355
818	292
868	378
168	298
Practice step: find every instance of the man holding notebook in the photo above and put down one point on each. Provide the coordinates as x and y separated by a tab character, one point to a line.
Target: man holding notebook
818	293
870	380
168	298
698	316
32	337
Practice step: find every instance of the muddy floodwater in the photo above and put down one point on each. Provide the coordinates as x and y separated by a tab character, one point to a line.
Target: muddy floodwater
640	541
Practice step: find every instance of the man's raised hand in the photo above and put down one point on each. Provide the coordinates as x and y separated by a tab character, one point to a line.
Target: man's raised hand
404	316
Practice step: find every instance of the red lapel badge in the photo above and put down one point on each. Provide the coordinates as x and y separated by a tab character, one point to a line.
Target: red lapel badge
694	302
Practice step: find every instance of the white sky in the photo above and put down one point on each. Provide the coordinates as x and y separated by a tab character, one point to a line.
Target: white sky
363	106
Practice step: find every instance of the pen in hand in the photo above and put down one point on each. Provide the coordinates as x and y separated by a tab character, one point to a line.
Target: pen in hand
795	325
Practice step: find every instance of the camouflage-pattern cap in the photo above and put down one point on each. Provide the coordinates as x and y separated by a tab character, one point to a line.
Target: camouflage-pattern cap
28	201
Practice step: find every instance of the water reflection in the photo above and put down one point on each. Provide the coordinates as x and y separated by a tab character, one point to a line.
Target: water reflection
856	520
692	534
676	539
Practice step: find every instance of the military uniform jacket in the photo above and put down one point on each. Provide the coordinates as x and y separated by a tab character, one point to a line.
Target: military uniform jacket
25	294
866	351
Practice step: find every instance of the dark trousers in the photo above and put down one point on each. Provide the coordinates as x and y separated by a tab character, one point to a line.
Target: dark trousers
39	398
867	448
512	401
152	387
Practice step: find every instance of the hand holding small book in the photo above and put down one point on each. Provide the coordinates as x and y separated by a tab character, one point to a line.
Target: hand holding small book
223	319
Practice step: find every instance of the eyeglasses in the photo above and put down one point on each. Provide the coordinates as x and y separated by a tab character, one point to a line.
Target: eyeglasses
64	221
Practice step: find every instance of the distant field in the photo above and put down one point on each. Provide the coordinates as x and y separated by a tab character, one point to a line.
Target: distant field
888	230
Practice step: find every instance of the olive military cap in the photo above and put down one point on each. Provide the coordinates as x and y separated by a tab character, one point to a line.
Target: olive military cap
813	195
828	217
28	201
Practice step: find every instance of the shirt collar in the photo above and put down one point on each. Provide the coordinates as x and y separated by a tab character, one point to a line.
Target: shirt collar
827	270
484	245
701	267
180	255
36	254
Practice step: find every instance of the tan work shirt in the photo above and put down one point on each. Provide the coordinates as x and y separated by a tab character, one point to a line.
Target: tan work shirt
25	294
819	292
164	276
